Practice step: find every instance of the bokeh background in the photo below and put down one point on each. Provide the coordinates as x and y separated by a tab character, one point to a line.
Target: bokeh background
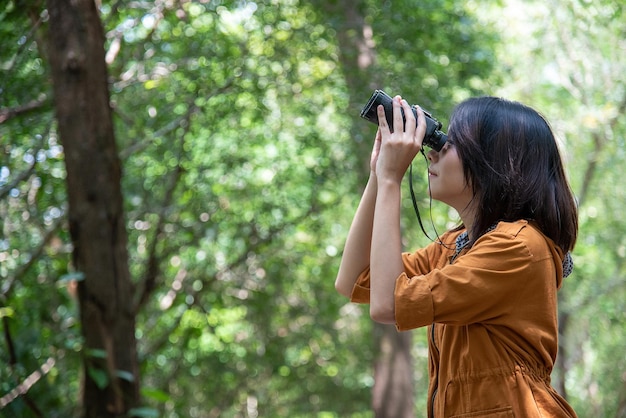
243	158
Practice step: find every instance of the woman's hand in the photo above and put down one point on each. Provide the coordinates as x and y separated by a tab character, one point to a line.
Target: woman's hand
394	151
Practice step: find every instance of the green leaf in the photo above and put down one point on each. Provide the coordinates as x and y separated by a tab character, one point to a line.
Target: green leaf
144	412
99	376
96	353
126	375
78	276
156	394
8	312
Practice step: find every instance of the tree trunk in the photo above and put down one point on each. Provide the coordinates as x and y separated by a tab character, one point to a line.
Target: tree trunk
393	387
96	219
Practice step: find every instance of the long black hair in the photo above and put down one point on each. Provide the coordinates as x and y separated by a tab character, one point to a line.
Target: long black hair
511	160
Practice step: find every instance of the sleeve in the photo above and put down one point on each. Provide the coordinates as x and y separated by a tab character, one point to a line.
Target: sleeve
361	289
418	263
483	285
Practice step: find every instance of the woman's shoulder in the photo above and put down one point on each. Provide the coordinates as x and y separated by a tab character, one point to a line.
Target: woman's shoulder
513	228
523	231
523	227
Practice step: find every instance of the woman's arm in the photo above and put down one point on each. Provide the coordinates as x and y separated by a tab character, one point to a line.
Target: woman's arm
356	252
386	252
374	236
396	153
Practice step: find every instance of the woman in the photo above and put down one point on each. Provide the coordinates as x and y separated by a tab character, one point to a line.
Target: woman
487	289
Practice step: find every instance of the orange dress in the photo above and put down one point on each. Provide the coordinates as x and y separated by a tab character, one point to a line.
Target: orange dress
492	317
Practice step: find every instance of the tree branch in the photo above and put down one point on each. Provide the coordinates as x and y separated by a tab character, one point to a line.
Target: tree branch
24	387
7	113
17	180
7	286
9	340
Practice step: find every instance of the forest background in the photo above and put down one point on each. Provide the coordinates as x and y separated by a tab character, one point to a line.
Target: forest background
177	179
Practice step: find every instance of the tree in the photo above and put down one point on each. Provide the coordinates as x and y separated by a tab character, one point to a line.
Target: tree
95	211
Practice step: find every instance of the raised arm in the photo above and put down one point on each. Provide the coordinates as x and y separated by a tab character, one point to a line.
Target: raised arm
374	236
397	151
356	252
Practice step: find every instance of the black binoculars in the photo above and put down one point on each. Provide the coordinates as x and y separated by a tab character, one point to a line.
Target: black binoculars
433	138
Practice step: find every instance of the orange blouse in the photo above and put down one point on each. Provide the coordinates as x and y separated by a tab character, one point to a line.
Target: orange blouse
492	316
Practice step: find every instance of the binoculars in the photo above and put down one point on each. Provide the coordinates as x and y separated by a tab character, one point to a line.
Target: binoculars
433	138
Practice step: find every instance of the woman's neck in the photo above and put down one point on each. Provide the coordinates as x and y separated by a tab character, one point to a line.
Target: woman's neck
468	216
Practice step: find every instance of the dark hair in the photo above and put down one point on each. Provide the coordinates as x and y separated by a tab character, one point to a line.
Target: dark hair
511	160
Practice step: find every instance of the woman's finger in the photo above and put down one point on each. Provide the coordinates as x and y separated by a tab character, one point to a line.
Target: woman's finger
420	129
410	122
382	121
398	124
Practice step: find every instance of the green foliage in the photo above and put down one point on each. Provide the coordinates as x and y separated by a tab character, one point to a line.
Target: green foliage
233	121
438	55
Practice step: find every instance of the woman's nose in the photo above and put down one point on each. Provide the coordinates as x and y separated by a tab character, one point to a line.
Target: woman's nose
432	155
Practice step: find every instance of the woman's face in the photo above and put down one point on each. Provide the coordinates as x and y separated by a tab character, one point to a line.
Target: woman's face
447	180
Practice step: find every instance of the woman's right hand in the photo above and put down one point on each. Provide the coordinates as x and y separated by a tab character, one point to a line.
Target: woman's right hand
398	148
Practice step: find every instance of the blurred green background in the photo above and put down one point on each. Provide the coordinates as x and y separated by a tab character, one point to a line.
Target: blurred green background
243	157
